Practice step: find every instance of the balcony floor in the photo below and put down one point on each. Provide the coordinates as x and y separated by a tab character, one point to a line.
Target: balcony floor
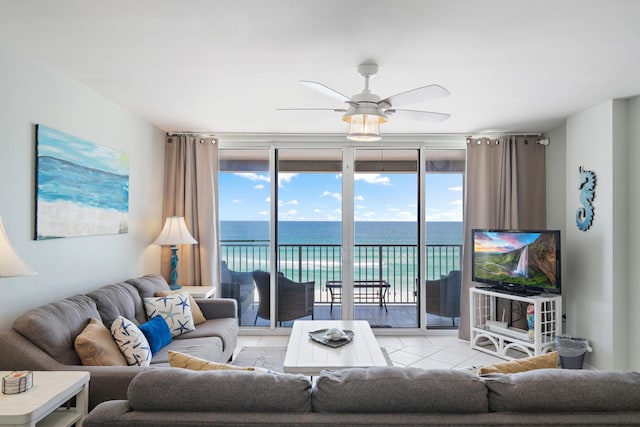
398	316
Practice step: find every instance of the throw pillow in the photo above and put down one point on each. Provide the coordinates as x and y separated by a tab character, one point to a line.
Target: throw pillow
174	309
181	360
198	317
131	341
549	360
96	347
157	332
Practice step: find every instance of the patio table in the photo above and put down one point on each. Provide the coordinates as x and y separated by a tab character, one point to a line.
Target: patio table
335	290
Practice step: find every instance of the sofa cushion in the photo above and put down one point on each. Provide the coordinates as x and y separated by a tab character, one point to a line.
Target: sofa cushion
119	299
131	341
209	348
543	361
148	285
198	317
96	347
562	390
226	329
396	390
157	333
54	327
174	309
224	391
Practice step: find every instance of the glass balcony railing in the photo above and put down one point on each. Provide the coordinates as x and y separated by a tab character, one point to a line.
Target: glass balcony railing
397	264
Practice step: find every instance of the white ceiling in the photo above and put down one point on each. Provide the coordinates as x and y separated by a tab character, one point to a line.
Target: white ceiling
226	66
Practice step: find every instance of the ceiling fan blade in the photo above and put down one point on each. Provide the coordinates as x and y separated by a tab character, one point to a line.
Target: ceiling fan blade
414	96
326	90
337	110
423	116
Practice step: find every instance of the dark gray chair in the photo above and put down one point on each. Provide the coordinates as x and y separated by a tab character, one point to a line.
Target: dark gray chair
237	285
443	296
295	300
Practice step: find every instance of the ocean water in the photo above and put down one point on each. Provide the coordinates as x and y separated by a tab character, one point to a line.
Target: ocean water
63	181
329	232
310	250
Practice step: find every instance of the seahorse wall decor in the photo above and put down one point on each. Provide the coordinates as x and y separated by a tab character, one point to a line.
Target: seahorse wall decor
587	186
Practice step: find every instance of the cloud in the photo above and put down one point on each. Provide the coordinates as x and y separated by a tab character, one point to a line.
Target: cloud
316	210
456	202
252	176
453	215
290	202
359	198
455	188
259	187
285	178
265	213
237	201
372	178
336	196
268	199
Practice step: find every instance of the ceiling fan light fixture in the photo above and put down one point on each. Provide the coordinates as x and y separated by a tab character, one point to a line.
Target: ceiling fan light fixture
364	123
365	128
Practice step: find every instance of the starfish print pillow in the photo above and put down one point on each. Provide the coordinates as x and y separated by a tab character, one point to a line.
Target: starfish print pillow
175	309
131	341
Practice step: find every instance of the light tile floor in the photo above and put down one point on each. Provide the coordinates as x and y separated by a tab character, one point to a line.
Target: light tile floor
445	352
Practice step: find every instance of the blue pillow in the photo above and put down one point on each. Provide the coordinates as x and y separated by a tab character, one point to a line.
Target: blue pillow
157	333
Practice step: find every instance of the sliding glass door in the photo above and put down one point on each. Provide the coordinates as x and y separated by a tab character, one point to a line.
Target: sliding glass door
386	237
309	230
354	232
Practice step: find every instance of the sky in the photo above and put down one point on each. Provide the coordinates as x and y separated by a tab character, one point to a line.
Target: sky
318	197
72	149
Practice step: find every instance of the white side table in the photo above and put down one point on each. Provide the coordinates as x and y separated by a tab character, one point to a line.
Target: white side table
41	403
200	291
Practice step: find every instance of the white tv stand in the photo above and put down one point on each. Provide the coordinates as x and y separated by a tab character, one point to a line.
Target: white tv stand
547	324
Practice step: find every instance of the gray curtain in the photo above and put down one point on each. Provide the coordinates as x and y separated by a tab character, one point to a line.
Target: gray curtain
190	190
504	189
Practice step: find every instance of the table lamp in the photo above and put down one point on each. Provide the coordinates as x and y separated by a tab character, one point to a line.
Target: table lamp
10	263
174	233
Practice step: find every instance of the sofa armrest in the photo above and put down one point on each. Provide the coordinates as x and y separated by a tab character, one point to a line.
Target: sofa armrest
218	308
107	413
106	382
18	353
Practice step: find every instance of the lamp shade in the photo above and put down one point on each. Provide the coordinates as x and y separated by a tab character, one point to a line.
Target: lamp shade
10	263
175	232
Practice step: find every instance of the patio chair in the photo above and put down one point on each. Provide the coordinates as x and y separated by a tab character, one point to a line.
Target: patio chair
443	296
295	299
237	285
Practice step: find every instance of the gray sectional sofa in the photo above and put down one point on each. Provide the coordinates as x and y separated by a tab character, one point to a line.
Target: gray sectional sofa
43	338
375	397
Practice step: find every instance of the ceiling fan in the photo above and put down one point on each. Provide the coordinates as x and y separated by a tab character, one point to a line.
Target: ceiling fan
365	111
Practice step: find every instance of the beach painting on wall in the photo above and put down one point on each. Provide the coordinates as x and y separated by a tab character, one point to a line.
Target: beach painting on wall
82	188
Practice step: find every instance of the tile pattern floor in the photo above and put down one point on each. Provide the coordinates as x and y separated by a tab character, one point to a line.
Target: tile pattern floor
432	352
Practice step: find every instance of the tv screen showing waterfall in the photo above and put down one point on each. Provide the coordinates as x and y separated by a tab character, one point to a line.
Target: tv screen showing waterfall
518	261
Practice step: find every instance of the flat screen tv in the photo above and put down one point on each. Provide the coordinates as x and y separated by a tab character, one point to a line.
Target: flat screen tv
517	261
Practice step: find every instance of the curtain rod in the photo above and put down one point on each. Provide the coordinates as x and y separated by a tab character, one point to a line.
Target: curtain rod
542	141
196	134
498	135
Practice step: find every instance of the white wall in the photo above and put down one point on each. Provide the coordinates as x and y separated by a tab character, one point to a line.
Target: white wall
32	93
596	285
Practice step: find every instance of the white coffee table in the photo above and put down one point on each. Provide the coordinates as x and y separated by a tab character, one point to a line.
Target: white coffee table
307	357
